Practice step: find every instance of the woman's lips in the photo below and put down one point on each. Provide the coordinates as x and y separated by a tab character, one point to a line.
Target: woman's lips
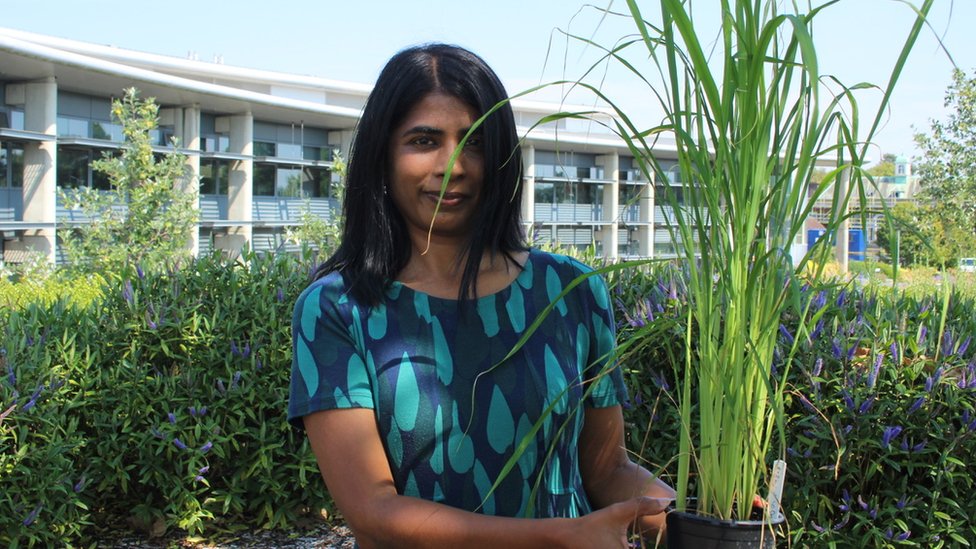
449	199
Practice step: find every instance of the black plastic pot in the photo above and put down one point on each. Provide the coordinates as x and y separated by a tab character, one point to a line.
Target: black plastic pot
694	531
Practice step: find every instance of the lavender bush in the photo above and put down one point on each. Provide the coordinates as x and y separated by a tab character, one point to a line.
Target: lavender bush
881	409
162	404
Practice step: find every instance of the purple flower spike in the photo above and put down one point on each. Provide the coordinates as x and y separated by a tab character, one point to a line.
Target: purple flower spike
787	336
233	349
917	404
206	447
127	291
866	406
198	478
964	346
929	383
889	433
818	367
202	411
919	447
139	272
807	404
922	332
179	444
836	349
816	527
862	503
904	535
873	375
32	516
171	417
893	349
204	470
220	386
246	352
841	298
192	410
281	295
848	401
30	404
901	503
817	330
842	523
904	445
11	376
237	378
947	343
80	485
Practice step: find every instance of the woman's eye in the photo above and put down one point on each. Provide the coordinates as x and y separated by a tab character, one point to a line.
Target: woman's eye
423	141
473	141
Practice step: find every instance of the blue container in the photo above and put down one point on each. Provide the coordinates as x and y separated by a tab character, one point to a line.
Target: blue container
856	243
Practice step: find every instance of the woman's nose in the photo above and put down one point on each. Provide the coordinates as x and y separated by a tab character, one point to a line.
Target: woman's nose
457	168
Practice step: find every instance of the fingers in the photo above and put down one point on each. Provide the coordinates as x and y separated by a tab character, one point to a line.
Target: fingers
646	505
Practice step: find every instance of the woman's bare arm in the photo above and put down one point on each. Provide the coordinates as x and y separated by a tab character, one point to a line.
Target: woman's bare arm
353	463
609	475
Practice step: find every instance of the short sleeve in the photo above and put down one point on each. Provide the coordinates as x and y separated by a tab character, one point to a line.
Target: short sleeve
328	368
602	369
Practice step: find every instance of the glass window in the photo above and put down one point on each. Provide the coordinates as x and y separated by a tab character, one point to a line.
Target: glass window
72	127
629	195
264	180
16	161
262	148
316	183
589	194
73	167
4	167
16	120
214	176
106	131
289	182
543	192
289	151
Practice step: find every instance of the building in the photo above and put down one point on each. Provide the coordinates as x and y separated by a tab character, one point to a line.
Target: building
260	146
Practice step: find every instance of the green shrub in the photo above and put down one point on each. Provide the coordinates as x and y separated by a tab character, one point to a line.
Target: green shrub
882	409
176	387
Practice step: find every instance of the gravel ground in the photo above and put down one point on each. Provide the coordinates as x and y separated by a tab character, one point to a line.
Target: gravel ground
324	536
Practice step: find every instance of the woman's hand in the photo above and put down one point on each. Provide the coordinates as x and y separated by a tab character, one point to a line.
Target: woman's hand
609	527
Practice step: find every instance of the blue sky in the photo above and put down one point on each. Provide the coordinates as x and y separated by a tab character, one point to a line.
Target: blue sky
858	40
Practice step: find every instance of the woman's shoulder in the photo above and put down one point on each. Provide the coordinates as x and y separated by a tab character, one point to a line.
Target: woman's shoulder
331	288
563	265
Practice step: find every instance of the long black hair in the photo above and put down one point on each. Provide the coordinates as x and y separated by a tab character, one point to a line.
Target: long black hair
374	247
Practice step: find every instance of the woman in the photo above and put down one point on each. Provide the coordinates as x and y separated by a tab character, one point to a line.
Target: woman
426	432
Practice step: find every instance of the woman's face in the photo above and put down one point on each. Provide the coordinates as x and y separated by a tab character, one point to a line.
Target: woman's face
420	149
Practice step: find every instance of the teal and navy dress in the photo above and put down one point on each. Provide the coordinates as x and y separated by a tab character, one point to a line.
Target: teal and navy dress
461	424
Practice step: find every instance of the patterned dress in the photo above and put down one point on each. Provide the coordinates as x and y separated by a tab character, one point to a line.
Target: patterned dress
462	422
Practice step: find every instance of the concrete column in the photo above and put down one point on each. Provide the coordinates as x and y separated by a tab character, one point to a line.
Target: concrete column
528	187
189	134
611	204
40	169
240	185
647	205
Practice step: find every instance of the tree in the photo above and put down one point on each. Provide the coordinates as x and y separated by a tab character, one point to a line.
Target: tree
317	234
885	168
145	219
947	169
923	236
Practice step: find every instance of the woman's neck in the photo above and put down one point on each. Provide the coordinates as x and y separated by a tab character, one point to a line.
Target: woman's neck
436	269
